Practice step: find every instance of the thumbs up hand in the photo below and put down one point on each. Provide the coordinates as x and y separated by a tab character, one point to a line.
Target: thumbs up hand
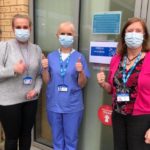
79	66
147	137
20	67
101	76
44	62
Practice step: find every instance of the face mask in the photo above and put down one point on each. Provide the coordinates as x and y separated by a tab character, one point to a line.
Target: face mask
133	39
66	41
22	35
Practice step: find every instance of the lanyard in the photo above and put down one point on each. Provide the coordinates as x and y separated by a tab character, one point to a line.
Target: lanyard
26	57
126	76
63	68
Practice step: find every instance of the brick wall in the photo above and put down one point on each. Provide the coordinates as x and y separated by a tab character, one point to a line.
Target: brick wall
8	8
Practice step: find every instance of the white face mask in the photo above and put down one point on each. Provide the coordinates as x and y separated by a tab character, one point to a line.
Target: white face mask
134	39
22	35
66	40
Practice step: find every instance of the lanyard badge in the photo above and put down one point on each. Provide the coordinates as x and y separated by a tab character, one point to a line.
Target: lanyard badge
27	80
126	76
63	70
124	96
62	88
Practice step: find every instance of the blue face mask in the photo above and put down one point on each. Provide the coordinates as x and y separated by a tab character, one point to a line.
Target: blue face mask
22	35
133	39
66	40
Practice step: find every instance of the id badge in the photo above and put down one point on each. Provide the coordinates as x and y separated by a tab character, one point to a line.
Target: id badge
62	88
27	80
123	97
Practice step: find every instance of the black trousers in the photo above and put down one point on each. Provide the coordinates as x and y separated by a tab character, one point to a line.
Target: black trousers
129	131
17	121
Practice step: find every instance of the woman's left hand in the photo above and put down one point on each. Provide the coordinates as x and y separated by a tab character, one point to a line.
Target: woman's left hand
147	137
79	66
31	94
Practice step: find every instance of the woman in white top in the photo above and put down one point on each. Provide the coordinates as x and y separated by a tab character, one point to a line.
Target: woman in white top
20	84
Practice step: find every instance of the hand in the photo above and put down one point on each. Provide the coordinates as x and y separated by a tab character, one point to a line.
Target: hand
31	94
147	137
20	67
44	62
79	66
101	77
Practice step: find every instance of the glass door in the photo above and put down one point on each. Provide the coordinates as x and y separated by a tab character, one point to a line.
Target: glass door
94	135
48	14
147	13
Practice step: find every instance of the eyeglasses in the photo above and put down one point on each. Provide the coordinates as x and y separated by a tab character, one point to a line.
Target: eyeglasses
70	34
22	27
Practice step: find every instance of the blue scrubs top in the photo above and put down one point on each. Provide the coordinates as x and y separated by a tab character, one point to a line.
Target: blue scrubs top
72	100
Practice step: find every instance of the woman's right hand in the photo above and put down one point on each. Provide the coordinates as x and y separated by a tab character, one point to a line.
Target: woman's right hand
101	77
45	73
20	67
147	137
44	62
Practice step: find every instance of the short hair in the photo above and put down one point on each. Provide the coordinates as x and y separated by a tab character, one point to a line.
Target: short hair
122	47
21	16
67	23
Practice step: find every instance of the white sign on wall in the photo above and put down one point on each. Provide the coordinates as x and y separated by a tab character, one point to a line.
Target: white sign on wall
102	52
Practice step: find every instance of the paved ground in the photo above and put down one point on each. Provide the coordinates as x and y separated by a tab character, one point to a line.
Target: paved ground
32	148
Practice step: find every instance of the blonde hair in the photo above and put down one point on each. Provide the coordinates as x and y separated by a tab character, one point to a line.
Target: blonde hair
67	23
21	16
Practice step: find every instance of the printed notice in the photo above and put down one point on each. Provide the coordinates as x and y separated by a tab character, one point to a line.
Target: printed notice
102	52
107	22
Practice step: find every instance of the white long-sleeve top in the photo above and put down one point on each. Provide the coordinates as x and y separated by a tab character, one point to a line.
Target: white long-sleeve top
12	88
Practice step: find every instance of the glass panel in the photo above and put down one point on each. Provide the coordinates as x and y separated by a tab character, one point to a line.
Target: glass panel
42	132
95	136
48	15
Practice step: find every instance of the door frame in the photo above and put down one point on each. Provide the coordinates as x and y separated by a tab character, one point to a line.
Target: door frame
142	10
148	16
76	19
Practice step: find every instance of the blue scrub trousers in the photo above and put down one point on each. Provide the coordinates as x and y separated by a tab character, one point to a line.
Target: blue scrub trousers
65	128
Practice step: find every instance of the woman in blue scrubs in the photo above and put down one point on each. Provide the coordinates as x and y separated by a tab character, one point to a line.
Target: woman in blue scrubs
65	71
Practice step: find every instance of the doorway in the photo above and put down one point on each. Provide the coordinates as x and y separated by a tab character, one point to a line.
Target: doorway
47	15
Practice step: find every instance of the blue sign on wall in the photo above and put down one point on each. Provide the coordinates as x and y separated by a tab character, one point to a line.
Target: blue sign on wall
107	22
103	51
